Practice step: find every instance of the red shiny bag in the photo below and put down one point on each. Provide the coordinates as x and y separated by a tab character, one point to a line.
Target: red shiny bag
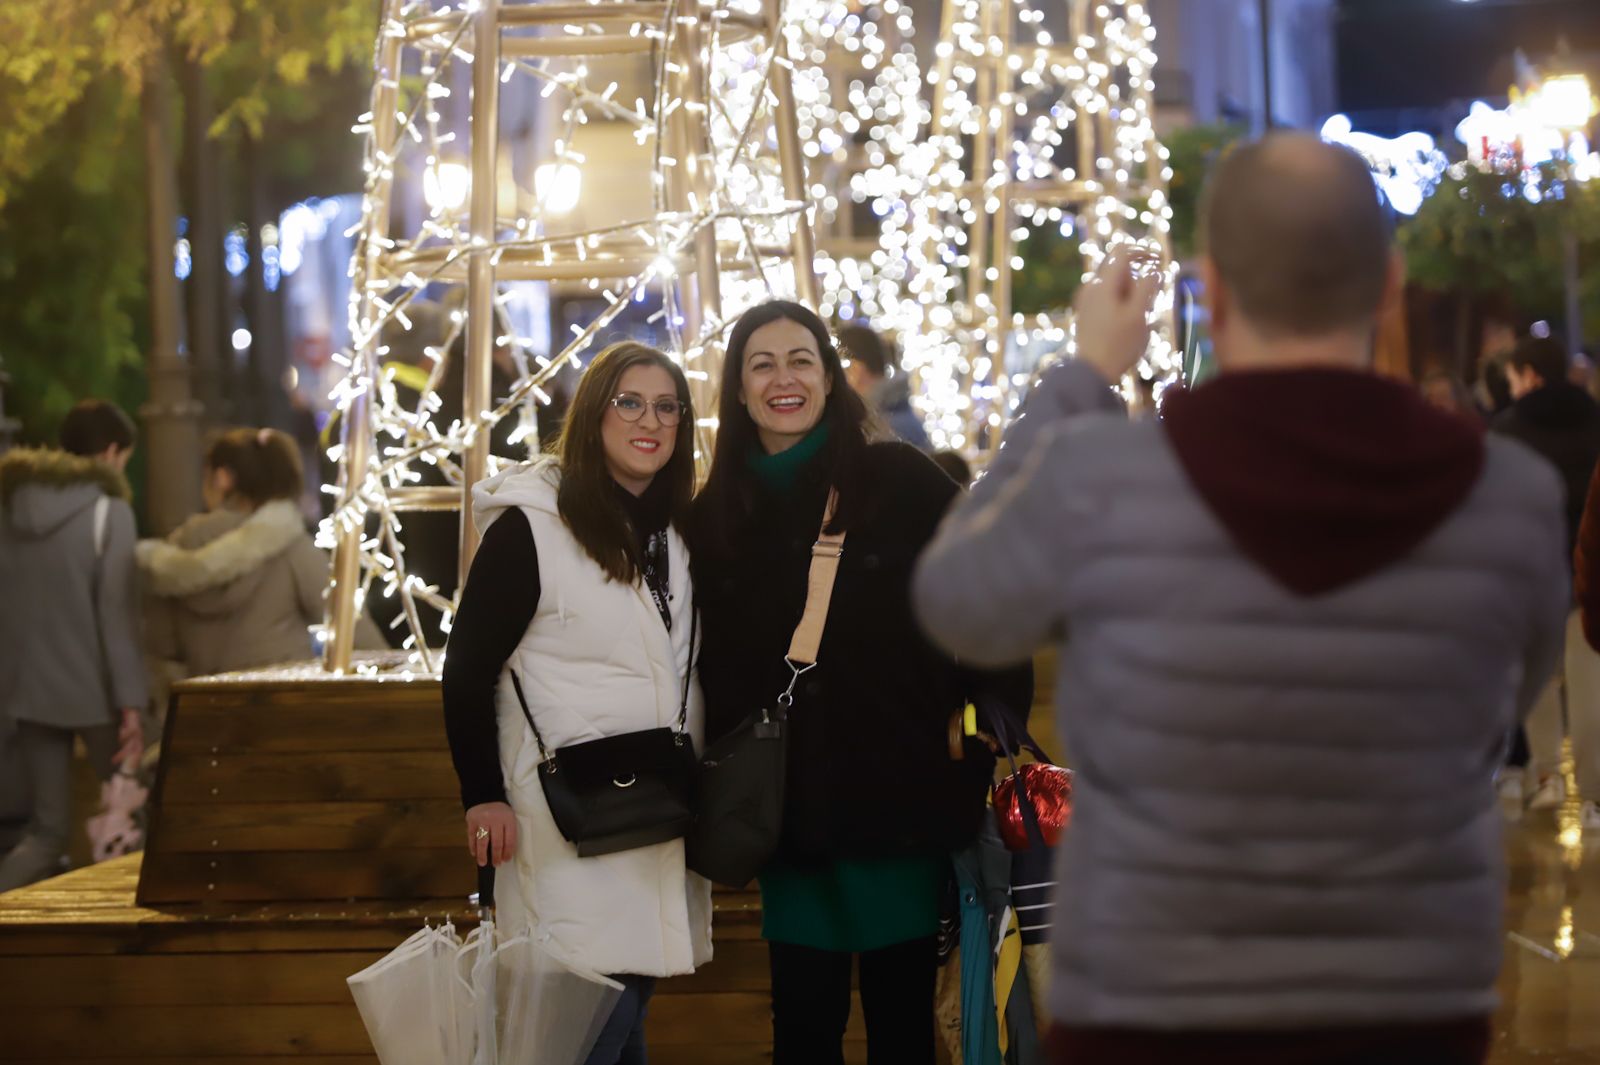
1047	789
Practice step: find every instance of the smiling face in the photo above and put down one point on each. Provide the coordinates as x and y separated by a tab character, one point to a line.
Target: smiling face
784	384
636	451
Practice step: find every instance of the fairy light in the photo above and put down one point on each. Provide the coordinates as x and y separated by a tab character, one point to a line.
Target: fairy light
718	186
1028	130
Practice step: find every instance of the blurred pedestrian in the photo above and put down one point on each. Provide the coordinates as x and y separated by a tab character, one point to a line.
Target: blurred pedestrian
955	466
873	801
876	379
1449	393
1560	421
1290	616
240	585
71	663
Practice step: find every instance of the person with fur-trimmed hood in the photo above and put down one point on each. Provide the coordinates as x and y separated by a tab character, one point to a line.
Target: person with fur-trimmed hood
71	664
239	586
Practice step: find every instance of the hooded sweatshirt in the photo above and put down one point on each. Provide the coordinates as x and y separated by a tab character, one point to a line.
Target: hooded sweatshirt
69	629
1295	623
233	590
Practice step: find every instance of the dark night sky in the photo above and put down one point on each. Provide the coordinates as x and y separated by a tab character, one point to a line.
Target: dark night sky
1396	54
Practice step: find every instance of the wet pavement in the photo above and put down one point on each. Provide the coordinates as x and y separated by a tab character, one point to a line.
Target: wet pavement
1550	1013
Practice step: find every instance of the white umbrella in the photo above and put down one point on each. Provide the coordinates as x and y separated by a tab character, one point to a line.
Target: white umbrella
436	1000
417	1009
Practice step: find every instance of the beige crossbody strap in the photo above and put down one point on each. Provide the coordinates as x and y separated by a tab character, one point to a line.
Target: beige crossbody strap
825	555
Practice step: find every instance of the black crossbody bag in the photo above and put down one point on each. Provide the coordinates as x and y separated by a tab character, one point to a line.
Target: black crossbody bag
739	801
619	793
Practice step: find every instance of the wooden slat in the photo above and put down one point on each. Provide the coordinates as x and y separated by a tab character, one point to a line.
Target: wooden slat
182	1031
723	1018
352	826
307	875
855	1053
267	979
267	725
347	777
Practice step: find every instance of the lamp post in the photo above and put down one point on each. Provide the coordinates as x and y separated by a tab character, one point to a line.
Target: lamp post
1565	104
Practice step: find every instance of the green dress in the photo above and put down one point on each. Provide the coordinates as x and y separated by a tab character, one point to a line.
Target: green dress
851	905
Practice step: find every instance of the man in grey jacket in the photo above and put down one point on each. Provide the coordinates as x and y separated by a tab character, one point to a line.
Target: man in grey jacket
70	662
1296	618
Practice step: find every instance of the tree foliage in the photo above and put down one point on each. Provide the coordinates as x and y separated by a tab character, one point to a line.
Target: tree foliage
72	267
1479	234
72	202
55	48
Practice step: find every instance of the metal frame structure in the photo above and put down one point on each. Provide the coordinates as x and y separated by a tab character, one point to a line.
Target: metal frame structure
699	237
1099	162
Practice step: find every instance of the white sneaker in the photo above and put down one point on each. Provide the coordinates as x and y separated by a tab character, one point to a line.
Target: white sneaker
1591	816
1508	783
1550	795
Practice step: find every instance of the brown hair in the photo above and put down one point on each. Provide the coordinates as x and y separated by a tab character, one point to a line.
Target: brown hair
265	464
1299	236
93	425
587	499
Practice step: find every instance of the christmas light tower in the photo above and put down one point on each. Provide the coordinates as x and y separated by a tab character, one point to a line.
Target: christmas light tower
1029	130
726	224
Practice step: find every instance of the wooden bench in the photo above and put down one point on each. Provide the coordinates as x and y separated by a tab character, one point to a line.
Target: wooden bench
302	826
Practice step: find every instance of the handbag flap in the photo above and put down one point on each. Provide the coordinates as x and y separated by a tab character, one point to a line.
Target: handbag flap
611	760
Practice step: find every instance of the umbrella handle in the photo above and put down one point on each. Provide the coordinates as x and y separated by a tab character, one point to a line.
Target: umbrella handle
486	883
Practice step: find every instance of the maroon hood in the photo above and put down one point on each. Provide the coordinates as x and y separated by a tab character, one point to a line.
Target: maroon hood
1323	477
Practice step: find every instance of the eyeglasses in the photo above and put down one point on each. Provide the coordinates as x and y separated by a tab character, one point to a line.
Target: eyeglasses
630	408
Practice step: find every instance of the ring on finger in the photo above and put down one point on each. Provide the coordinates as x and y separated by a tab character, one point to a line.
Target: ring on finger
482	833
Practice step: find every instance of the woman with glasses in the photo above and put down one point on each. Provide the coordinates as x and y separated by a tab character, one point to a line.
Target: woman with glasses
873	802
579	607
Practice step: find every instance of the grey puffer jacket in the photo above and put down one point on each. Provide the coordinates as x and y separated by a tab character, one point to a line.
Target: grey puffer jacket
1284	815
69	647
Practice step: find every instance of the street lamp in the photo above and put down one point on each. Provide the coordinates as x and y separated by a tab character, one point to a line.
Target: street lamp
1565	104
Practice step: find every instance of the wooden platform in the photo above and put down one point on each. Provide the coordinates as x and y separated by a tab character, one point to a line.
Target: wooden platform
89	975
303	826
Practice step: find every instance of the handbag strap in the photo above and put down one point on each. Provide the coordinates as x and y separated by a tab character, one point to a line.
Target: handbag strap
544	755
683	705
688	671
825	556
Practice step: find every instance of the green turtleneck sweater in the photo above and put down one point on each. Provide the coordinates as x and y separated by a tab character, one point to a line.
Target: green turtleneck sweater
851	905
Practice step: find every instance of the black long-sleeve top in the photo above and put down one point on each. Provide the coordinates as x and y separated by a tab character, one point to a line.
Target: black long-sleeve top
497	606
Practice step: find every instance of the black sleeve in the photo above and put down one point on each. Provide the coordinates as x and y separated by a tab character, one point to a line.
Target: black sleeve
497	605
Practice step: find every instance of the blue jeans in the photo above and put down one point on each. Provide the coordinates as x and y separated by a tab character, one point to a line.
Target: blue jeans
621	1041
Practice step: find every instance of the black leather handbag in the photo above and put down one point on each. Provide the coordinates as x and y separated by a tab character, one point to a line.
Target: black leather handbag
619	793
739	801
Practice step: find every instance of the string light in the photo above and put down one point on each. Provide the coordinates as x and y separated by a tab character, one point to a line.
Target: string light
953	164
719	211
1028	132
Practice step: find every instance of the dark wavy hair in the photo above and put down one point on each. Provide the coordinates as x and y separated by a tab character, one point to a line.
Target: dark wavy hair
728	498
587	498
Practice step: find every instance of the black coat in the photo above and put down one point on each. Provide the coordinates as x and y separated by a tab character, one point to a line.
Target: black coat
869	766
1562	423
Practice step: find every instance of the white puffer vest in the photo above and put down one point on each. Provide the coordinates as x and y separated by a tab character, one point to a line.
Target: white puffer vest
596	661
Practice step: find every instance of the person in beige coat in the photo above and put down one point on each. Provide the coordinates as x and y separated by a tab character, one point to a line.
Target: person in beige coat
241	585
